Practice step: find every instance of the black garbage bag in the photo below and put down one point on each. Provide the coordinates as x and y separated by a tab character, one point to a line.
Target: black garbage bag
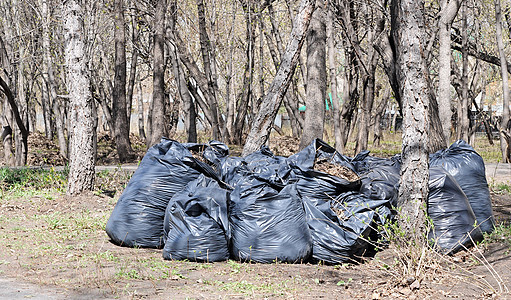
318	151
263	164
363	162
211	153
453	219
342	232
381	183
467	167
268	224
137	218
196	223
322	173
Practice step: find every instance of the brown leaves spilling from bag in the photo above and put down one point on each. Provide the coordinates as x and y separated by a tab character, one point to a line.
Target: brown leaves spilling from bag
323	165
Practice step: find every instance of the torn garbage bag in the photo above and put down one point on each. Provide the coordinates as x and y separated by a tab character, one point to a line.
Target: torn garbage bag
137	218
449	209
268	224
467	167
196	223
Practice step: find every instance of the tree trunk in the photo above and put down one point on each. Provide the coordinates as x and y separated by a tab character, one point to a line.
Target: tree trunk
316	79
81	156
140	103
133	74
463	112
230	101
49	78
188	106
248	75
333	78
207	59
380	111
46	98
505	129
408	31
260	130
350	98
119	114
291	98
23	131
7	120
158	128
20	137
449	10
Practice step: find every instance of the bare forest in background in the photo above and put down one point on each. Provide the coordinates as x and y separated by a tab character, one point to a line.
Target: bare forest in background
229	68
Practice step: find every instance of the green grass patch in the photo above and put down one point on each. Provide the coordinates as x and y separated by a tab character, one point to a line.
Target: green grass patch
27	178
502	233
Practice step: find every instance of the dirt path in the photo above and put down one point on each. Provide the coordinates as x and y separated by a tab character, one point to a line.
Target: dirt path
11	289
498	173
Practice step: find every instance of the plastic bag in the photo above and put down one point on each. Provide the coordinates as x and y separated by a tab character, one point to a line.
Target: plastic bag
467	167
341	233
196	223
381	183
268	224
137	218
261	164
453	219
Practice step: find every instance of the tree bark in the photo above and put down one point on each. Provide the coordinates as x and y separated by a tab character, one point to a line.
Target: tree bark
158	128
248	75
50	81
188	105
230	101
316	79
463	112
505	129
377	116
260	130
119	112
46	98
132	77
208	62
449	10
140	104
291	98
81	156
350	97
408	31
330	38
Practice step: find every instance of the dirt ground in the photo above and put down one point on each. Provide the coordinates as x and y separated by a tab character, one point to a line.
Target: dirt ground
53	246
59	243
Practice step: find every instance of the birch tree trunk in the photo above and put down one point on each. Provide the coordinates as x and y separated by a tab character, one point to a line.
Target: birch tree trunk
408	31
316	79
260	130
81	156
505	135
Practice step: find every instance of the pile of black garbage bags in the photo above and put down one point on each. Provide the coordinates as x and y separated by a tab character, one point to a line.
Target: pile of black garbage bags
200	204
